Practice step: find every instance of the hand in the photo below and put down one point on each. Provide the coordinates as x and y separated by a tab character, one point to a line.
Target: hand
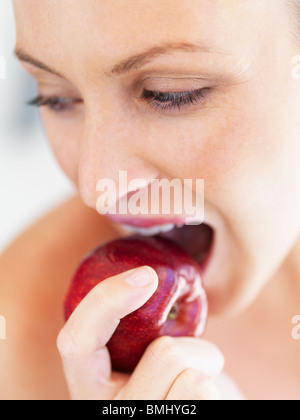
170	369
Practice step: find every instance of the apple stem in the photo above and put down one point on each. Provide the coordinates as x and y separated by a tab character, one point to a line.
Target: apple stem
174	311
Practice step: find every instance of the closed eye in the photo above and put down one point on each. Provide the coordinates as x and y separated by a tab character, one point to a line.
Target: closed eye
159	101
172	100
55	103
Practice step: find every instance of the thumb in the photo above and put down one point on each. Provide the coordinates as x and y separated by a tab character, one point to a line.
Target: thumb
82	341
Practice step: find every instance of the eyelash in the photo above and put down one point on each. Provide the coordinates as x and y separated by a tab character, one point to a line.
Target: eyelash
171	100
54	103
157	100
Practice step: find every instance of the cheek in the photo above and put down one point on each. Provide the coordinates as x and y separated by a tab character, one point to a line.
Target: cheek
247	153
65	139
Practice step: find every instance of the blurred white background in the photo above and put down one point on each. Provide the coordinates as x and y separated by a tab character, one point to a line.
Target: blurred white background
31	183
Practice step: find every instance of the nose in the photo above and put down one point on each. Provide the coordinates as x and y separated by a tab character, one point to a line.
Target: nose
108	147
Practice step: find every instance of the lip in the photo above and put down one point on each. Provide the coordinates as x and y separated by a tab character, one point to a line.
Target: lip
143	222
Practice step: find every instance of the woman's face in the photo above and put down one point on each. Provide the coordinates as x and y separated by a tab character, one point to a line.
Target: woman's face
239	131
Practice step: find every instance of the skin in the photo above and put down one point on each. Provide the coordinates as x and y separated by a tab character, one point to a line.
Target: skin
242	139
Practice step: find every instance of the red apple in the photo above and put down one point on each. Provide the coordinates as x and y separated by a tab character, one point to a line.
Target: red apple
177	308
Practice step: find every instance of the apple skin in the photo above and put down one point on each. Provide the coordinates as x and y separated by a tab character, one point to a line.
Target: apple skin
177	308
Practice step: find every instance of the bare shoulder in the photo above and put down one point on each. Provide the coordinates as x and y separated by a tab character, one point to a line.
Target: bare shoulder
56	241
35	271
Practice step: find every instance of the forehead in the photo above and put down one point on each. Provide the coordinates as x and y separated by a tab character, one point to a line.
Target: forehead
68	30
142	18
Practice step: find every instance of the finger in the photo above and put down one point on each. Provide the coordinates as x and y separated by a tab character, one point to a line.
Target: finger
81	342
190	386
164	360
228	388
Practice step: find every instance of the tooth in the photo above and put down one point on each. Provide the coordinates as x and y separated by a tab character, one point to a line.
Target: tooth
150	231
167	228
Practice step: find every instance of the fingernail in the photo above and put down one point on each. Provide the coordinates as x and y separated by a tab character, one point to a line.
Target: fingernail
140	277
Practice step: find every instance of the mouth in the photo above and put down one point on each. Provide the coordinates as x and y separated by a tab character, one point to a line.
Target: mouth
196	240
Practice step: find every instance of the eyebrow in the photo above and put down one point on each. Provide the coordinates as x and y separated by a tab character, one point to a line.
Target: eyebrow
127	65
23	56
